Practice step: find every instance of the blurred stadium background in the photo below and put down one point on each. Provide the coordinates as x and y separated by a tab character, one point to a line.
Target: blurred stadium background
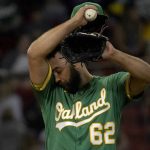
21	22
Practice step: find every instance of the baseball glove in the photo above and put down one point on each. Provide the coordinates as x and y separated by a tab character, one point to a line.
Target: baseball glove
82	47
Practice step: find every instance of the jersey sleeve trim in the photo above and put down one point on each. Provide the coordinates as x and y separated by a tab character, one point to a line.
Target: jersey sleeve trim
127	87
41	87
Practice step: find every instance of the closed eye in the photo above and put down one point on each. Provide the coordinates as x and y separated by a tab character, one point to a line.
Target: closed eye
57	70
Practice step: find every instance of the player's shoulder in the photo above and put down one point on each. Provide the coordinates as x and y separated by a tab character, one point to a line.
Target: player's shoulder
115	75
105	79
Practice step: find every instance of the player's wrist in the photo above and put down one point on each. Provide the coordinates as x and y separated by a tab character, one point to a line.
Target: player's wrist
75	22
78	21
109	52
115	55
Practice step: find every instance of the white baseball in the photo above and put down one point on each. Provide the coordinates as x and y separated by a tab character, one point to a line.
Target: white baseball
90	14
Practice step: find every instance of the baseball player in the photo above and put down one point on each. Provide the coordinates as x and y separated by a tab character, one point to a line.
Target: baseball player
82	111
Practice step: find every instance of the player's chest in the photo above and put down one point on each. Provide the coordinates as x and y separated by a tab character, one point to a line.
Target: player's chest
81	109
83	117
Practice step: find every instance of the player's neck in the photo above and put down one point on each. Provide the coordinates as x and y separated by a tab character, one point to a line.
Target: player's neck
86	77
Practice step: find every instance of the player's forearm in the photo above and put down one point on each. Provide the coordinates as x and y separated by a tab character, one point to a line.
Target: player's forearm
136	66
50	39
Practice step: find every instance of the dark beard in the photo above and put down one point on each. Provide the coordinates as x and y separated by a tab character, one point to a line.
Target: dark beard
74	82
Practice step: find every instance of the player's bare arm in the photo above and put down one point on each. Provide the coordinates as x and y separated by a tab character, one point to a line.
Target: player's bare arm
139	70
46	43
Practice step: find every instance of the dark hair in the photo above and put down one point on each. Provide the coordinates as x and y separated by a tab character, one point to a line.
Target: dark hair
52	54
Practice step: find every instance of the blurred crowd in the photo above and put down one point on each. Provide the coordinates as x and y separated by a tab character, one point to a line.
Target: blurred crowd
21	22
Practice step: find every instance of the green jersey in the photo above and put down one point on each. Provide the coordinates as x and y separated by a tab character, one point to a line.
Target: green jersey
87	120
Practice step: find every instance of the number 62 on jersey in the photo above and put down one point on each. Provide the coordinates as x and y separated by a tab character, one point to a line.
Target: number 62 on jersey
102	133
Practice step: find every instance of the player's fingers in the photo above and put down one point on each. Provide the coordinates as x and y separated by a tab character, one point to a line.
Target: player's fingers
80	15
90	7
84	8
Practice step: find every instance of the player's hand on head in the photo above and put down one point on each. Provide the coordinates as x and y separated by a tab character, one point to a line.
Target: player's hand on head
109	51
80	15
